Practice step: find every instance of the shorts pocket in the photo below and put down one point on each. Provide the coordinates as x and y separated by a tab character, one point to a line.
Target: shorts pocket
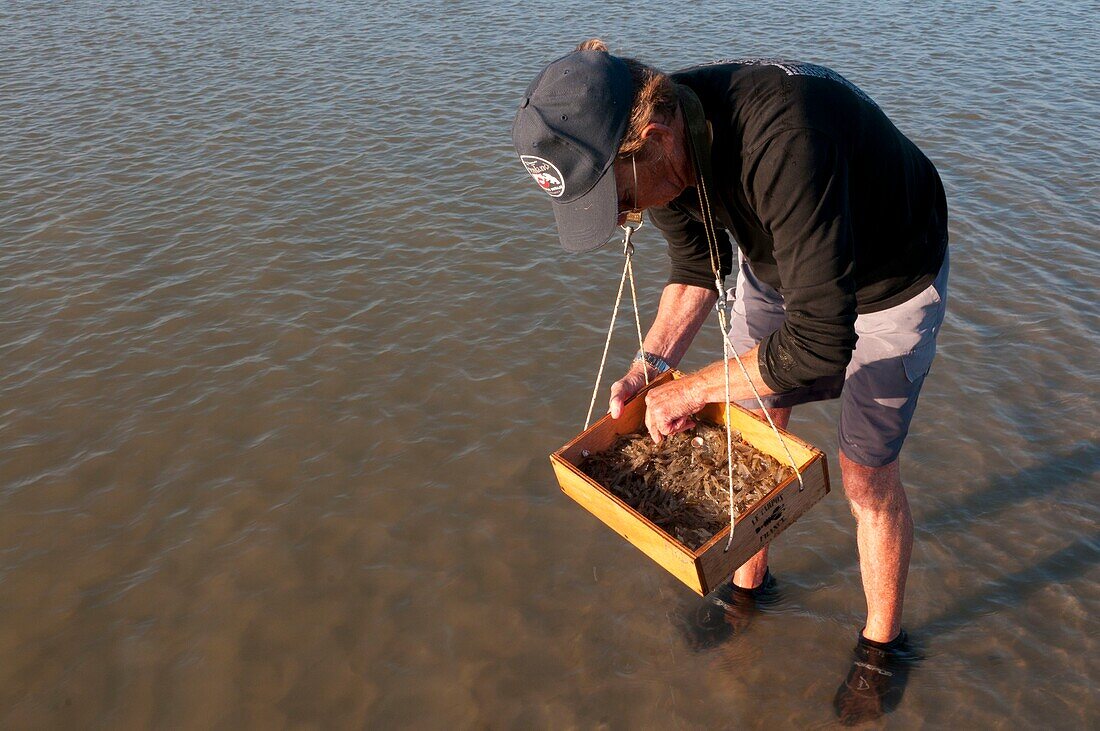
918	361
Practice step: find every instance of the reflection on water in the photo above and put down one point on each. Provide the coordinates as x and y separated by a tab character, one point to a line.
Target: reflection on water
287	338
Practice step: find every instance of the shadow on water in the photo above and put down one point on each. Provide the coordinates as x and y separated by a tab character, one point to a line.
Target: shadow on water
1069	563
1000	493
1003	491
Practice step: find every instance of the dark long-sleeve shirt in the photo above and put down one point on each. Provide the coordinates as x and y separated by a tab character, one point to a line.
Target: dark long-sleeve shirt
829	202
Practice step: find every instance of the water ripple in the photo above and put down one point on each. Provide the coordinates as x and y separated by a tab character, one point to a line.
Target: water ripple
287	337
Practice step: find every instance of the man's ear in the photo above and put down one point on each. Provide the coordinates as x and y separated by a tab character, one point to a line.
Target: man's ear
659	139
656	130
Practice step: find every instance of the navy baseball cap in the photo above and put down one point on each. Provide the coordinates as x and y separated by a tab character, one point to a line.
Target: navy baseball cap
567	132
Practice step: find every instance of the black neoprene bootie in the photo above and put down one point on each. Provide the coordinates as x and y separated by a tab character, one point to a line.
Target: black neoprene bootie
727	612
876	680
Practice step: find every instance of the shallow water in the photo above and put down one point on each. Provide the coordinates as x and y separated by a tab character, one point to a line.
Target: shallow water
287	338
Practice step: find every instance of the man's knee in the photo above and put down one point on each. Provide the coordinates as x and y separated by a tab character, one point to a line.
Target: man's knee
872	488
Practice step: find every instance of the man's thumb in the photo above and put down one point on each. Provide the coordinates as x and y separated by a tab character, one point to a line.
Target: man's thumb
616	404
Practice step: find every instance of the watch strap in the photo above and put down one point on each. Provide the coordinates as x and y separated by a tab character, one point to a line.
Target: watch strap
659	364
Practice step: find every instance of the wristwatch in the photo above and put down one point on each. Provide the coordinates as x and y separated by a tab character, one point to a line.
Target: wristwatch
659	364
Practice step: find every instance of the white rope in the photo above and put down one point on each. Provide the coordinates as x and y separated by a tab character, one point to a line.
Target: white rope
607	343
632	224
727	348
637	317
729	429
712	244
767	414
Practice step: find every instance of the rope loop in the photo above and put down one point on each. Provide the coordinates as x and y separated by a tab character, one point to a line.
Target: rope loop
632	224
727	346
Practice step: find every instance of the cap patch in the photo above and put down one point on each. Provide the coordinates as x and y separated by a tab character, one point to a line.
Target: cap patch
546	174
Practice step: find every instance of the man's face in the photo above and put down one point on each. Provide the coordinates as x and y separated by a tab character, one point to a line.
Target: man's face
654	186
655	176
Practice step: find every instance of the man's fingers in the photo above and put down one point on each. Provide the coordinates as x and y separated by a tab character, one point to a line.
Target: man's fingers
618	398
682	424
615	407
660	428
621	391
654	433
651	425
665	414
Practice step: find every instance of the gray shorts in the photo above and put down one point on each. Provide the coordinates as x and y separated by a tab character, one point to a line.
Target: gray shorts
880	387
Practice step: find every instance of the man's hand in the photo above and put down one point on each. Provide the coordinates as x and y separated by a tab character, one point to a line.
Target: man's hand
669	408
625	387
683	309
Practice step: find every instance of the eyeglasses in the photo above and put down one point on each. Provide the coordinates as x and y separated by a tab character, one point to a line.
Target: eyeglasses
633	215
622	201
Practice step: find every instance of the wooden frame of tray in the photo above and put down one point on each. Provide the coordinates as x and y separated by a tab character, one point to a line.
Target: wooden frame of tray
704	569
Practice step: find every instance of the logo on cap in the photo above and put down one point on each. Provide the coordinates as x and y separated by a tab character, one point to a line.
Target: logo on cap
545	173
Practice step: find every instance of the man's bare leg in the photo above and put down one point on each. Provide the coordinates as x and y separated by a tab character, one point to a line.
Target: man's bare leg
751	573
884	534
